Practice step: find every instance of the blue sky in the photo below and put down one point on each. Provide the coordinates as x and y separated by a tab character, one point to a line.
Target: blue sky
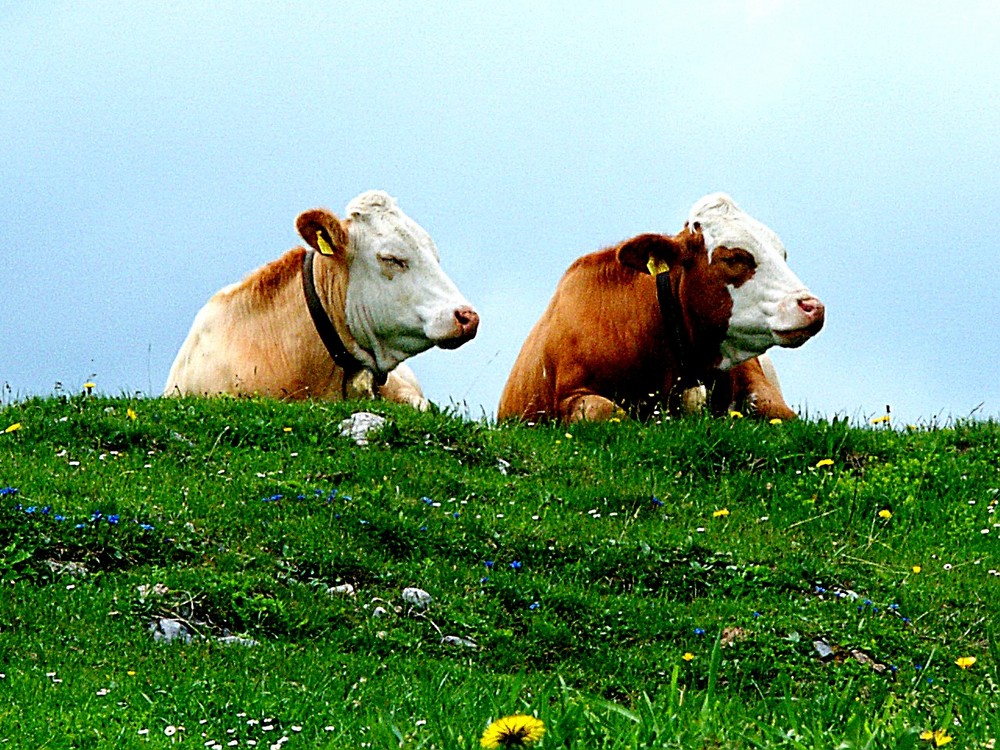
155	152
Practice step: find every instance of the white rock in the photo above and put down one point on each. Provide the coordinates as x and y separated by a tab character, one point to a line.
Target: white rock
454	640
359	426
416	597
379	612
345	589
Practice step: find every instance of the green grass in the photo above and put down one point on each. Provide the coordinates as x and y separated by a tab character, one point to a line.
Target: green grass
609	562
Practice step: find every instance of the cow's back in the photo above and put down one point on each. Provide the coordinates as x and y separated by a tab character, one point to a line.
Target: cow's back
593	328
241	340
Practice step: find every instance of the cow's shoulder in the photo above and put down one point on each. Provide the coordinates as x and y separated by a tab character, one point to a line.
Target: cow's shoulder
264	283
596	271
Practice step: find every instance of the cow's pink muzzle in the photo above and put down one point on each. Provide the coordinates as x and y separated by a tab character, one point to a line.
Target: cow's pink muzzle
466	325
807	317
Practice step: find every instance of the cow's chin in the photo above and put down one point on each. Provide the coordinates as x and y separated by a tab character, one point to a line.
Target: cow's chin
455	341
796	337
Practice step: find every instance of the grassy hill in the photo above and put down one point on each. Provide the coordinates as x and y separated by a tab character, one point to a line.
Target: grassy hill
691	584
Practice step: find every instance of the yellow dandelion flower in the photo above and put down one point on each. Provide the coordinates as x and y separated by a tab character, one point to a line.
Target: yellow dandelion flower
131	414
13	428
966	661
89	385
569	435
688	656
775	421
513	731
885	513
616	420
916	568
735	414
936	738
720	512
880	420
286	429
824	462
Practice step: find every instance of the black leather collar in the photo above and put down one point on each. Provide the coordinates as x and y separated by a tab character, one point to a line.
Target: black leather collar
324	326
673	320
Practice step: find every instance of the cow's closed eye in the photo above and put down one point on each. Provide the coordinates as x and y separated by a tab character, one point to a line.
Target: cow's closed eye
393	264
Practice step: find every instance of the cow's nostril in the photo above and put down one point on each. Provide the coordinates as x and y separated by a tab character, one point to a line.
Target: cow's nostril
467	319
811	306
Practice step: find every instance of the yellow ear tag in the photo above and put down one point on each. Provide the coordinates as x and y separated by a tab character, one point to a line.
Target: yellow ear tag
657	266
324	246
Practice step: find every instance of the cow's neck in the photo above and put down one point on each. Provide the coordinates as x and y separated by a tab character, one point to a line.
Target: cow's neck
688	354
675	329
330	275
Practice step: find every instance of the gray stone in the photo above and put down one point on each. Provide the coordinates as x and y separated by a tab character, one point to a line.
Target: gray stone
360	425
416	597
168	631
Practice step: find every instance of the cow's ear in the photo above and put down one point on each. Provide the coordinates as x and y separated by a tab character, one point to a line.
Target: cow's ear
651	253
323	231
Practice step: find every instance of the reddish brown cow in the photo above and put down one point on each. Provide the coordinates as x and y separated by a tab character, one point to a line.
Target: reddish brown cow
658	319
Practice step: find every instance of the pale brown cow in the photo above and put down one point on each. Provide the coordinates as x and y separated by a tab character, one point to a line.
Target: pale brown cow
332	322
655	321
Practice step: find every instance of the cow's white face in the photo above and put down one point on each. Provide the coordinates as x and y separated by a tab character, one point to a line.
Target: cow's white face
399	300
770	305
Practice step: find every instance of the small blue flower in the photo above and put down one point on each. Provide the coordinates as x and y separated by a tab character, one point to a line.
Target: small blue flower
516	565
484	579
8	491
893	668
657	503
867	602
46	510
272	498
81	526
426	500
30	509
820	590
336	516
364	522
699	631
918	667
113	519
96	515
489	564
534	605
423	528
756	615
333	494
893	607
906	620
58	517
146	526
456	514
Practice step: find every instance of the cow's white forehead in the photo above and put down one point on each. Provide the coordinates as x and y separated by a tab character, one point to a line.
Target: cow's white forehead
723	223
385	220
372	201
